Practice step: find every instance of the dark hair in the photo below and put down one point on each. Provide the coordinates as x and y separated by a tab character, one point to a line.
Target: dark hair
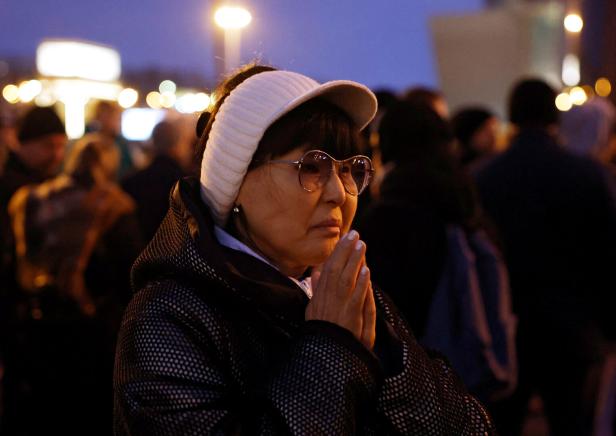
39	122
314	124
422	96
531	104
411	131
165	136
465	124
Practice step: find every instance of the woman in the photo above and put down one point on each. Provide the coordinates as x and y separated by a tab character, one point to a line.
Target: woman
254	311
76	236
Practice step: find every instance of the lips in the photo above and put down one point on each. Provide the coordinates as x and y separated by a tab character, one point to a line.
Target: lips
328	224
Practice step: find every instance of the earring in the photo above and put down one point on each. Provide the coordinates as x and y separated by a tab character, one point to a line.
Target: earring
236	209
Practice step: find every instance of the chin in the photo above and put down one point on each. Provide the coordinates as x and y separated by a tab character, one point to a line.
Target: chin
319	254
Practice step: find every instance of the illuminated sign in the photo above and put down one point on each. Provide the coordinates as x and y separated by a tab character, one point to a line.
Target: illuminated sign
76	59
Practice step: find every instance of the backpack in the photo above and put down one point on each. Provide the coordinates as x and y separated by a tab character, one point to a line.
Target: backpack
470	319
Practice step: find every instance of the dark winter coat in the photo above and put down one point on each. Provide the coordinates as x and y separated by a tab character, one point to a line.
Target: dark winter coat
406	231
215	342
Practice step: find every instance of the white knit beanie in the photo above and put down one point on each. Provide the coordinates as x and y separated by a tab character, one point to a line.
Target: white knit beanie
245	115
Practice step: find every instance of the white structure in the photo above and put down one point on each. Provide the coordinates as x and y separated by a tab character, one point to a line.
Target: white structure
74	73
481	56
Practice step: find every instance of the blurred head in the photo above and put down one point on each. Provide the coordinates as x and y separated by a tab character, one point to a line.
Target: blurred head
476	130
410	132
165	137
94	159
430	98
108	116
42	141
285	211
588	129
532	105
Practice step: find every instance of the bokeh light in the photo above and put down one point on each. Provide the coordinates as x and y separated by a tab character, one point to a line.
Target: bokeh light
11	93
167	99
603	87
29	90
578	96
574	23
153	100
128	98
563	102
167	86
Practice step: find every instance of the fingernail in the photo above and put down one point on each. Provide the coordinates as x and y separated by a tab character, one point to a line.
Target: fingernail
351	235
364	271
359	245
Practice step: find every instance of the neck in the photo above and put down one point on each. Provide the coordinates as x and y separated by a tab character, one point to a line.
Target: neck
287	268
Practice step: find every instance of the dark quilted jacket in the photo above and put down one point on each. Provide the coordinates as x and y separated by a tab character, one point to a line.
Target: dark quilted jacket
215	342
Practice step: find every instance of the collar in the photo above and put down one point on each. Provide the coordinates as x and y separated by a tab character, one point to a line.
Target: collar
226	239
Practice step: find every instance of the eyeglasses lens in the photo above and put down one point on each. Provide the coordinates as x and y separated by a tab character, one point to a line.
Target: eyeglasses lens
316	168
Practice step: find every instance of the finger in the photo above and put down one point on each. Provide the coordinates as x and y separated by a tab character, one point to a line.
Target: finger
368	335
359	292
349	275
337	260
315	276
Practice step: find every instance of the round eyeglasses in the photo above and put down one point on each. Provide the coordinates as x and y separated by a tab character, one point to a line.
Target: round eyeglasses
315	168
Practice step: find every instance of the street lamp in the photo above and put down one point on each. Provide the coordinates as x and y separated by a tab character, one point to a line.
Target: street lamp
232	19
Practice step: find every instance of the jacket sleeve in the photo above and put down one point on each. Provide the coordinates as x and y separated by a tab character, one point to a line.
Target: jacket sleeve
174	375
421	393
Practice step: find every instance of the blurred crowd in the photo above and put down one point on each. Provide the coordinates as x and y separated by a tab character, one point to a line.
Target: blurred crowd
541	185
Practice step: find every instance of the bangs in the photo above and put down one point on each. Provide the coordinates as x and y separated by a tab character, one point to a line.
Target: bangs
316	124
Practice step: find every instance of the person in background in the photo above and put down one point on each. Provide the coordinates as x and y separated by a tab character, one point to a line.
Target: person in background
588	130
8	139
76	237
150	187
253	310
370	134
37	157
476	130
423	192
39	154
431	98
556	216
108	122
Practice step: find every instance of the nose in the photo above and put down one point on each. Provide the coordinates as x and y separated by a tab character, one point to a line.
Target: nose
334	191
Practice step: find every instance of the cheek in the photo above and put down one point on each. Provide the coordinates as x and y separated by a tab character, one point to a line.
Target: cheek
348	213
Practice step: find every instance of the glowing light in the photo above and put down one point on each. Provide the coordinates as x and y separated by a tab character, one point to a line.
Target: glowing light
578	96
127	98
74	117
574	23
571	70
167	99
137	123
229	17
45	99
167	86
153	100
202	101
190	103
589	91
563	102
603	87
30	89
66	58
66	89
11	93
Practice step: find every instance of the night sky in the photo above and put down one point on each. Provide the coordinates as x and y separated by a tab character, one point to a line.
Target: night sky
377	42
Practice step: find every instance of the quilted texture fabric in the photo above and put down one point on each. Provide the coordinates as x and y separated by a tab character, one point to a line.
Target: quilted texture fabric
215	342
